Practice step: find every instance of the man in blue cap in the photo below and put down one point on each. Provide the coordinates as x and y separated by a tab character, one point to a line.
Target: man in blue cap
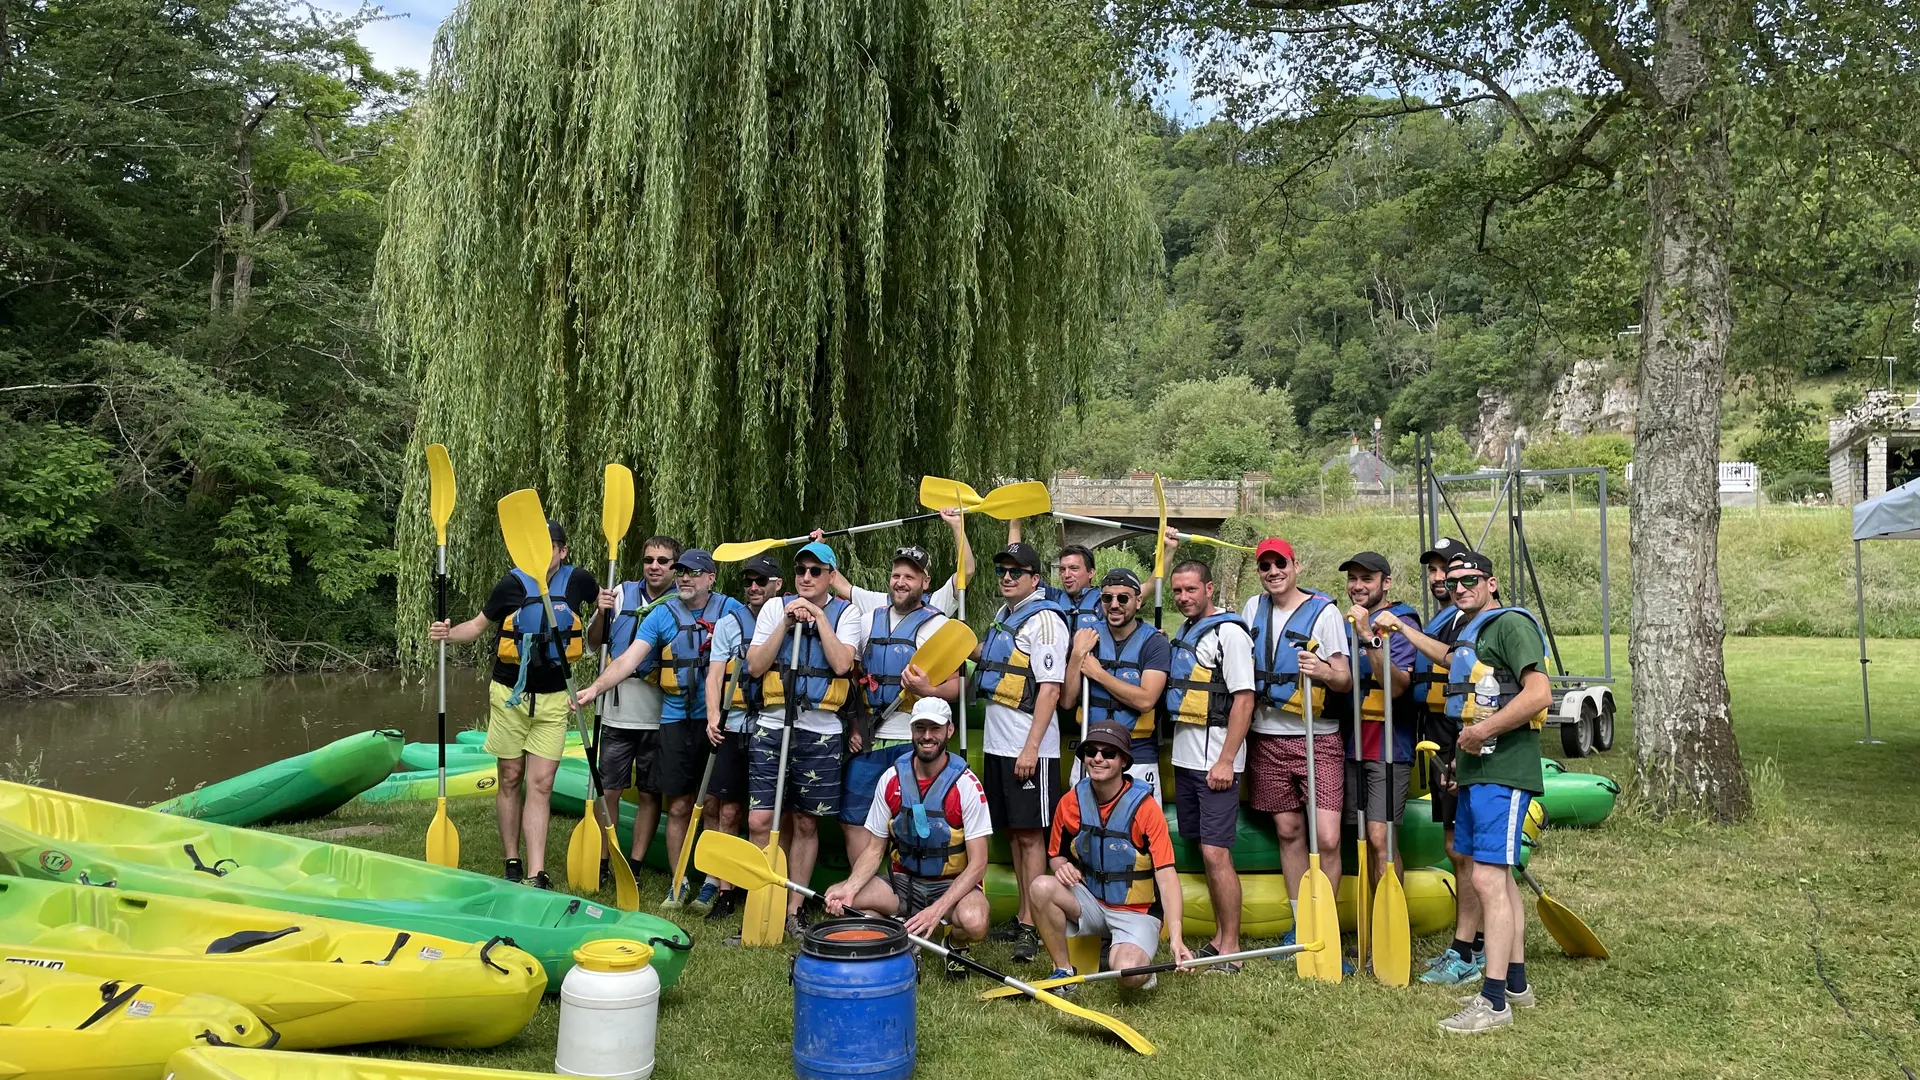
527	714
679	636
803	652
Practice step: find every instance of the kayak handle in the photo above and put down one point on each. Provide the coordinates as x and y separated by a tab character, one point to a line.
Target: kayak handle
671	943
215	869
111	998
485	950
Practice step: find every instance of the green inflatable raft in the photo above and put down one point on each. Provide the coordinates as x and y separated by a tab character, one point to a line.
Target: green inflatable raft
1575	799
310	785
60	837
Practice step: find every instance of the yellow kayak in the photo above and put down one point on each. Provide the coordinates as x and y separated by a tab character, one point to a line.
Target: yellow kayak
226	1063
319	982
56	1025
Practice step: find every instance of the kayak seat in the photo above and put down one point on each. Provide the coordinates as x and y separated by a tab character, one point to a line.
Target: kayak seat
254	877
320	885
247	939
80	937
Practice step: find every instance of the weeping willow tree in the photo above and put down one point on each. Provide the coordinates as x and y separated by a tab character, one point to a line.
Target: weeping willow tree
780	257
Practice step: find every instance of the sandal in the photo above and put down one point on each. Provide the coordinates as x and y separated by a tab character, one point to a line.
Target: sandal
1224	969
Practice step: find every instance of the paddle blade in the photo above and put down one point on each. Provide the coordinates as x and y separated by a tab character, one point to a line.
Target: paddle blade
1213	541
735	859
1392	947
1028	499
443	840
584	849
1321	920
1131	1037
439	489
940	656
626	890
686	853
765	921
1573	935
1159	538
616	505
940	493
523	525
745	550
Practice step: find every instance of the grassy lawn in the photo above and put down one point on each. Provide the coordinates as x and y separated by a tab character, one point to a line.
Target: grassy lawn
1711	930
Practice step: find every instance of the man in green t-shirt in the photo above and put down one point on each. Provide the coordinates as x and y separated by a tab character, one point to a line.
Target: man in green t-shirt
1499	691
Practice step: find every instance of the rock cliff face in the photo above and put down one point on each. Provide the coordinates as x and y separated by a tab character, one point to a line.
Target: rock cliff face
1591	397
1496	427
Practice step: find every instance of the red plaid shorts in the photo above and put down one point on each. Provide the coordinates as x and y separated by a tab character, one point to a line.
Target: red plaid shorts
1277	772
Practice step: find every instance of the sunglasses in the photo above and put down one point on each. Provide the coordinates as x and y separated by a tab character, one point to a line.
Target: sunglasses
681	571
658	560
1105	753
1115	599
1011	571
812	570
758	581
1278	562
1464	582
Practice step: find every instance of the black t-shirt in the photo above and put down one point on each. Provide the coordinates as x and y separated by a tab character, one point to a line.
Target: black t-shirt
583	592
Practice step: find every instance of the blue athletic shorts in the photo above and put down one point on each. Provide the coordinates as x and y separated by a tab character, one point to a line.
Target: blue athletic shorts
863	778
1488	822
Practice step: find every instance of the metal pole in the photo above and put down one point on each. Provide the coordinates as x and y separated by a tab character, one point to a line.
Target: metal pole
1860	615
1606	606
1420	517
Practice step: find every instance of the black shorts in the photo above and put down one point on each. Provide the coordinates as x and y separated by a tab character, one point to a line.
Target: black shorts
683	757
1014	803
1206	816
628	759
729	783
1368	780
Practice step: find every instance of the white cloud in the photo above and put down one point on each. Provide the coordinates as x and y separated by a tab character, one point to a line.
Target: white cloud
404	38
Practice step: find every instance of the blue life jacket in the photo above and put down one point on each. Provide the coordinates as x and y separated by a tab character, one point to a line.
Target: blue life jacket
889	651
630	608
1467	670
1195	694
1004	674
1123	662
1081	614
746	691
1117	871
1430	686
818	686
681	667
1276	657
524	637
925	843
1372	701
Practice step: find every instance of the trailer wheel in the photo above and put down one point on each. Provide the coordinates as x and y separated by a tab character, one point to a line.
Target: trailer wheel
1603	727
1577	738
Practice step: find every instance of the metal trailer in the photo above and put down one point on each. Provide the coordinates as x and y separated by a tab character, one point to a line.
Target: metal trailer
1583	705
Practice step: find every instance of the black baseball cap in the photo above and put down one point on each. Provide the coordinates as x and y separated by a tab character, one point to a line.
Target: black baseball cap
556	534
1111	733
697	560
1443	549
1120	575
764	565
1367	560
1019	555
1471	560
916	555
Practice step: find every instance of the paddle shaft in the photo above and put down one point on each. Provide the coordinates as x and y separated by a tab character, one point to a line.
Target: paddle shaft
1128	526
1386	740
706	778
1203	961
792	718
1362	920
960	605
440	615
1313	800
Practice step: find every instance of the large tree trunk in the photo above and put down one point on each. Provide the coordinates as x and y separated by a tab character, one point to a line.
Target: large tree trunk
1684	748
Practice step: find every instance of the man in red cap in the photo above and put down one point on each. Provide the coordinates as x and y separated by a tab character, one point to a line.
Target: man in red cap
1296	632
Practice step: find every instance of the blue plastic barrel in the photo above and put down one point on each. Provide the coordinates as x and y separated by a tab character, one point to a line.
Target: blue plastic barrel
854	1002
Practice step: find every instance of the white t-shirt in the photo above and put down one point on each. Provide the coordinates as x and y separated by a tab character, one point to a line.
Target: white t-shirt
1043	638
1330	628
727	645
974	821
900	726
850	628
1228	651
635	704
868	601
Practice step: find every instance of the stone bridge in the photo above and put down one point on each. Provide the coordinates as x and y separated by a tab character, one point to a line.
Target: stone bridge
1192	505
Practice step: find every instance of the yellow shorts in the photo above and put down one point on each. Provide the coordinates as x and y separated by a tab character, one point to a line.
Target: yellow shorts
537	726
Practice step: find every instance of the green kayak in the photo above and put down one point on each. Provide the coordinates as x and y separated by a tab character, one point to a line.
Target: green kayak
311	785
461	757
1578	800
424	784
48	834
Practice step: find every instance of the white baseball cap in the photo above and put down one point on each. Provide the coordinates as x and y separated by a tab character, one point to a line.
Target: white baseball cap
932	710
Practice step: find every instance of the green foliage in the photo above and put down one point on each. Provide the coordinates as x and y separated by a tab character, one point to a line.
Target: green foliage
51	477
1451	454
1785	448
1613	452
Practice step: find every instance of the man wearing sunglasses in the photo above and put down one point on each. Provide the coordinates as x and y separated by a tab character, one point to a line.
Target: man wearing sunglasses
941	599
892	634
1110	857
1018	671
674	641
626	741
1497	688
1123	666
1296	632
818	675
729	726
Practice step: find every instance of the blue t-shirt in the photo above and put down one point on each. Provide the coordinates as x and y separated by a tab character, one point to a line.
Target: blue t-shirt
658	630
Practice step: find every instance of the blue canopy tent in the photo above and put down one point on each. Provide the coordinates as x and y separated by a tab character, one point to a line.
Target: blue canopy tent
1893	516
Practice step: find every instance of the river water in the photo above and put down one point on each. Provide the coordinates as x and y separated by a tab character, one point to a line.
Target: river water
143	748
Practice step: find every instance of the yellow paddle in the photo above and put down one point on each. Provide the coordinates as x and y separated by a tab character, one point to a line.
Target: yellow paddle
443	840
738	861
1573	935
1392	947
1005	503
938	658
523	524
584	851
765	920
1316	917
1159	548
706	778
940	493
1362	882
1276	951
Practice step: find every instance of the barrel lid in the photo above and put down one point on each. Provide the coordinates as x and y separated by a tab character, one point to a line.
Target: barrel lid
613	955
855	939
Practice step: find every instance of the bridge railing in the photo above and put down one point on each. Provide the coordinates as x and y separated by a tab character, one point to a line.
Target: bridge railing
1133	497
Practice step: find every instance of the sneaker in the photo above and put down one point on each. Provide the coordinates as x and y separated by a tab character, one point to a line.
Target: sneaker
1346	967
1451	971
606	874
516	871
795	928
1476	1016
1071	990
954	968
1286	939
731	941
703	900
1028	946
1008	931
673	902
1153	981
1518	999
540	880
725	905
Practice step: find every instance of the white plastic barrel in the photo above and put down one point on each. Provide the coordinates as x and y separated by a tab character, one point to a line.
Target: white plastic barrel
609	1012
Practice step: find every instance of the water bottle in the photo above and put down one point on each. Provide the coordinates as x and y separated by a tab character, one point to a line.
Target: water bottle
1486	699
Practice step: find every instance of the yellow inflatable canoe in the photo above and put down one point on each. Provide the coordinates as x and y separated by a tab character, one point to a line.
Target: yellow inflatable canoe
319	982
56	1025
232	1064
